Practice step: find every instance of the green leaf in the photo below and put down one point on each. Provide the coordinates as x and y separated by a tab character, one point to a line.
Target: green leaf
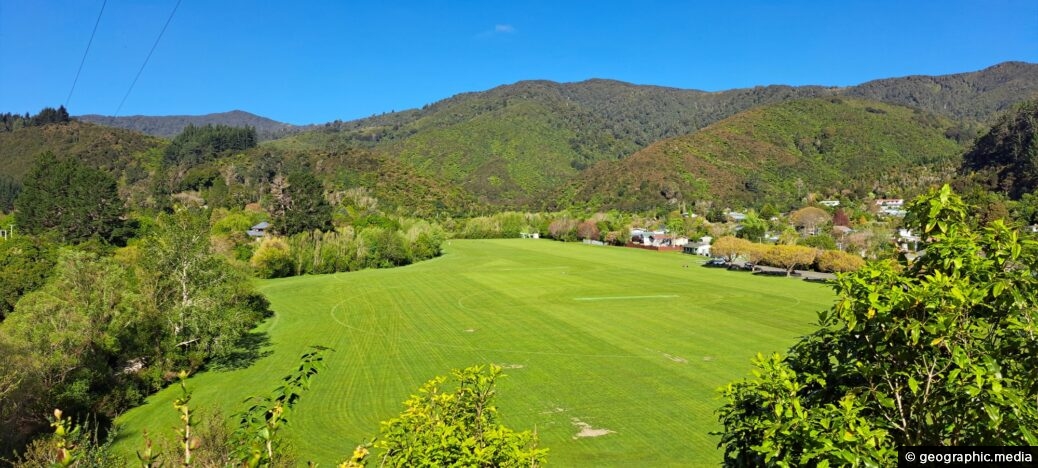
913	385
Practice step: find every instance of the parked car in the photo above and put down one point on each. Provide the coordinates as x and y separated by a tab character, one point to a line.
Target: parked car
716	262
742	266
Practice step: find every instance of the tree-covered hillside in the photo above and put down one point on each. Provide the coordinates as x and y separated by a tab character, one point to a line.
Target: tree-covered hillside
977	96
510	144
761	154
109	148
171	125
1005	159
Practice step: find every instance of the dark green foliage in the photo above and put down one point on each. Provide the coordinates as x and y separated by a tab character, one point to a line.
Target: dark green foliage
71	200
1006	157
25	264
1026	209
820	241
938	350
298	204
974	96
9	190
48	115
196	145
66	342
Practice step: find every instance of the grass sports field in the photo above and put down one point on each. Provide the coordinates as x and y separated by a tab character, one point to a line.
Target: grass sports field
625	344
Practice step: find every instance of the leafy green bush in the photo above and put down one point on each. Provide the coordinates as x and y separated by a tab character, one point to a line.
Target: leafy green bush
273	259
443	427
938	350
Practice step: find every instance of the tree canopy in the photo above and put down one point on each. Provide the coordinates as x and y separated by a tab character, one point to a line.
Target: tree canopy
298	204
71	199
938	350
196	145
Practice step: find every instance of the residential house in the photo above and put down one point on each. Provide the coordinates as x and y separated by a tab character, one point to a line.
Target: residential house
891	206
700	247
258	230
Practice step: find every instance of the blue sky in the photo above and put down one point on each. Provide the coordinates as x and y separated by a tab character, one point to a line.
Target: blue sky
316	61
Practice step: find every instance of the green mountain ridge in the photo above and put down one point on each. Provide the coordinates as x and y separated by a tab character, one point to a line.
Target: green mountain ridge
169	126
512	144
541	144
828	144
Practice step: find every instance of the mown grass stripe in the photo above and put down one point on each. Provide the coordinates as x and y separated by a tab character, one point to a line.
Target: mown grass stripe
622	339
624	298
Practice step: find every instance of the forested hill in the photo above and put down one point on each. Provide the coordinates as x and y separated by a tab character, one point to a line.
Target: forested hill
171	125
114	149
512	144
979	96
828	144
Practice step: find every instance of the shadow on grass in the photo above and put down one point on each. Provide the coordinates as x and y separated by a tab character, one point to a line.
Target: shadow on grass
250	348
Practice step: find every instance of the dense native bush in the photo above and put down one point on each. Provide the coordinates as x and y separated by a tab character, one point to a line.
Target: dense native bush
348	249
25	264
273	259
195	145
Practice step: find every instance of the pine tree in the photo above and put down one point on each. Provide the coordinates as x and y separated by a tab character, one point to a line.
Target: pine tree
299	205
70	199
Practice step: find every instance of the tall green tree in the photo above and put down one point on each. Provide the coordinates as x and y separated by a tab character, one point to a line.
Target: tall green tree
298	204
938	350
73	201
201	304
9	190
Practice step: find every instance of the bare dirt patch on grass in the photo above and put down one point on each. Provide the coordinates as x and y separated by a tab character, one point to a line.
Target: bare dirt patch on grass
675	358
587	431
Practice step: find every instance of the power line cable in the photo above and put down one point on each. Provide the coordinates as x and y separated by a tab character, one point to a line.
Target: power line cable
85	52
153	46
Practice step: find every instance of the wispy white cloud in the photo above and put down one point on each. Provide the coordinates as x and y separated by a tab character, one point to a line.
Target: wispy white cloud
497	30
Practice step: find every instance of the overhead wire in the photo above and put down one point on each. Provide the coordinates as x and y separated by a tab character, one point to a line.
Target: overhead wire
153	46
85	52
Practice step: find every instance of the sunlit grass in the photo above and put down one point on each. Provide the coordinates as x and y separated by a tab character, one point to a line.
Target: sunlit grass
627	341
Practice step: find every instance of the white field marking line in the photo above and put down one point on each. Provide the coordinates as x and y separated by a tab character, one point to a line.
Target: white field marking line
492	270
620	298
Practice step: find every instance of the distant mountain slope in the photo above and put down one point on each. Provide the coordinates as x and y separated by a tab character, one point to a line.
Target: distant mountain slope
828	144
170	126
978	96
512	143
1005	158
113	149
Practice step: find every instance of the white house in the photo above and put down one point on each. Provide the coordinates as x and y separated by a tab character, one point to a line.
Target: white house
701	247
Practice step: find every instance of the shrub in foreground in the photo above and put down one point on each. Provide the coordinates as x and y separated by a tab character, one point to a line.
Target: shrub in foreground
939	350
